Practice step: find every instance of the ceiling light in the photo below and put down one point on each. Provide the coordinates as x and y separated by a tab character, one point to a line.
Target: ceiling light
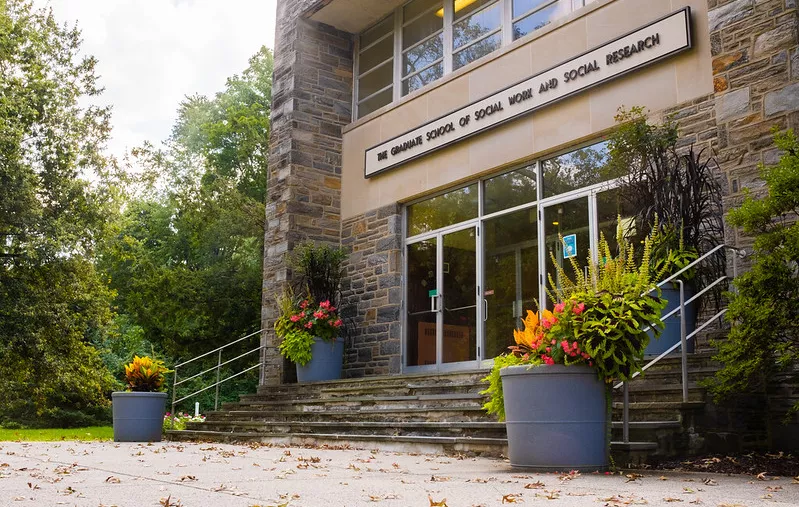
459	5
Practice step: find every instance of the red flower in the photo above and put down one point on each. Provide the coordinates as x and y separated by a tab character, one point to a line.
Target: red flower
559	307
324	304
320	314
338	323
578	309
308	325
304	304
295	318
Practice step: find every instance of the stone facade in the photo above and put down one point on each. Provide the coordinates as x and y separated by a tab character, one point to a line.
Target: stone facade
755	68
373	292
311	101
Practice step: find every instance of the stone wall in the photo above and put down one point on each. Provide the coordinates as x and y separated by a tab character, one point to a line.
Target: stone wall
373	292
311	102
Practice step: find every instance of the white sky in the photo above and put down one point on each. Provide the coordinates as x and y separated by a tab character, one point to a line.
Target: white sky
152	53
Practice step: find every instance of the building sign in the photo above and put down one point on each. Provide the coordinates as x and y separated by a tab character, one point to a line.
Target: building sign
569	246
660	39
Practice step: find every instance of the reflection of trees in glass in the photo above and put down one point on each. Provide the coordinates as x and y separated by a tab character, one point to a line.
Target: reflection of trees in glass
510	189
476	50
577	169
444	210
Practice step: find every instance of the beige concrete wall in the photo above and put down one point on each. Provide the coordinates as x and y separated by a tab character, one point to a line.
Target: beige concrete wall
584	116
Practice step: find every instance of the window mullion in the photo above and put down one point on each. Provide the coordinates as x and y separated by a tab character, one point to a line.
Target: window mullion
397	54
449	15
507	22
356	78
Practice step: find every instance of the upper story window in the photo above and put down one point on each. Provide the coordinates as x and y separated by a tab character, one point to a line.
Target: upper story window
426	39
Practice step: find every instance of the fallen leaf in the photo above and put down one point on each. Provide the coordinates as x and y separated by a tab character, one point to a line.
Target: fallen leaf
33	486
439	478
112	480
663	478
569	476
433	503
709	482
670	499
188	478
549	494
688	490
534	485
633	477
773	488
511	498
696	502
761	476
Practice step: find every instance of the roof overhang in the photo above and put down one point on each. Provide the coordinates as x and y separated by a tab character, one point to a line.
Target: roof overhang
352	16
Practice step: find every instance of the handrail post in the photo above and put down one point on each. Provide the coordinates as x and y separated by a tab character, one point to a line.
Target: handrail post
218	366
174	392
683	343
625	421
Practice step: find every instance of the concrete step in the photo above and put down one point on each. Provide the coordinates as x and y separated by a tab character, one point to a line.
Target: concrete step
480	429
459	414
333	404
404	443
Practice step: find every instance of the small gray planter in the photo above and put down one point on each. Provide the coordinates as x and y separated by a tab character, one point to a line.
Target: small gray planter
556	417
138	417
325	364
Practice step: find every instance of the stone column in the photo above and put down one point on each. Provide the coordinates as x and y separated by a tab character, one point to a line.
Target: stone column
311	101
755	49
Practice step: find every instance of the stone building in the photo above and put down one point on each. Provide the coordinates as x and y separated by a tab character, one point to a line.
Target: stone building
446	143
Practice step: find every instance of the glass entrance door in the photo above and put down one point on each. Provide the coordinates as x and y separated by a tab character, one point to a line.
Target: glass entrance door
569	233
442	310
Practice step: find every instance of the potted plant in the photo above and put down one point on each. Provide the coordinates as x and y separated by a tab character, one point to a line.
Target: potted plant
311	338
553	387
670	255
676	190
309	324
139	412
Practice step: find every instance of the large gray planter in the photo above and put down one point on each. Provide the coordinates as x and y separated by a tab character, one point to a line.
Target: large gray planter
556	417
671	333
326	360
138	417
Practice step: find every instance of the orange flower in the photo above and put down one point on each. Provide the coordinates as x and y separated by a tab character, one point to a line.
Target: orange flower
533	331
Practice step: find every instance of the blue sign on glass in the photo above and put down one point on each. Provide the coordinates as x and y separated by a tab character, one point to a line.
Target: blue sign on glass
569	246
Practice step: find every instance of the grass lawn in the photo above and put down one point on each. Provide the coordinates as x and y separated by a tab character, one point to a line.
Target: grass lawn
43	435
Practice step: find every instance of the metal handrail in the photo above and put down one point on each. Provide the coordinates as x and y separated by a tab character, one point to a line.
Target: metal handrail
218	367
684	337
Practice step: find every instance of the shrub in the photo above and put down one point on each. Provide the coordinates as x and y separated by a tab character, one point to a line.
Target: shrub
145	374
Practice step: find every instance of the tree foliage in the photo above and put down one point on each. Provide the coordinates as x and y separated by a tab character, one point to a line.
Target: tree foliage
764	339
51	218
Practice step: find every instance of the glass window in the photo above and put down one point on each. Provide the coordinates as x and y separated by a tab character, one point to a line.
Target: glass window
524	6
443	210
510	189
577	169
476	25
422	55
376	54
373	104
568	238
511	276
372	35
419	80
375	81
477	50
539	19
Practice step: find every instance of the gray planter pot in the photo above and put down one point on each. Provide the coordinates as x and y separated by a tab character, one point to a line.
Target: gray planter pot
671	333
138	417
556	417
325	364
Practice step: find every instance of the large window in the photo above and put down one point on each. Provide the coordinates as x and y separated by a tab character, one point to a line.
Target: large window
478	257
425	39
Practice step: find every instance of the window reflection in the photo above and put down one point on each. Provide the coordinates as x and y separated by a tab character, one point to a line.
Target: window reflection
510	189
476	25
576	169
539	19
443	210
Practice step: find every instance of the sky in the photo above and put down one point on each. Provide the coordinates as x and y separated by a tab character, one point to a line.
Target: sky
153	53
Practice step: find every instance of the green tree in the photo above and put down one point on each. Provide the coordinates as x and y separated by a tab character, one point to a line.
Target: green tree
185	258
51	218
764	339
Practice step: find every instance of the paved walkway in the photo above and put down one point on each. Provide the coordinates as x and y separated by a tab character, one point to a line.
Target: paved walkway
192	475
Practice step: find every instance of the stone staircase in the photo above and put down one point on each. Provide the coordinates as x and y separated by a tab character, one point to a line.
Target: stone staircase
442	413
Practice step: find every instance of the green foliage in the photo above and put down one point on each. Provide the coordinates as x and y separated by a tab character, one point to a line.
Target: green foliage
319	269
51	217
601	319
299	323
676	192
496	401
145	374
764	339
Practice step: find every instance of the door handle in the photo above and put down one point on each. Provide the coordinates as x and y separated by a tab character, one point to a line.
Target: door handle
485	309
435	303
